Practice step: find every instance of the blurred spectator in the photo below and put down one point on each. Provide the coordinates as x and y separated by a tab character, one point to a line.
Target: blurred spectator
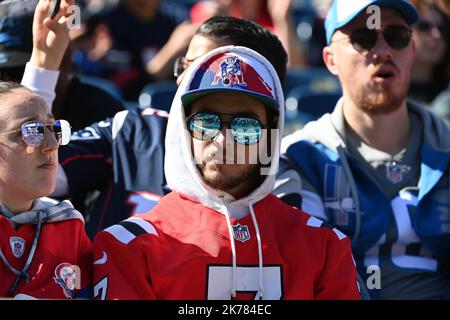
79	103
98	5
317	40
203	10
275	15
131	44
15	38
430	74
441	105
222	31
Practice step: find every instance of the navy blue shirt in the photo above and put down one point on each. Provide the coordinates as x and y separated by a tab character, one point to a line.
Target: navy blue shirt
123	158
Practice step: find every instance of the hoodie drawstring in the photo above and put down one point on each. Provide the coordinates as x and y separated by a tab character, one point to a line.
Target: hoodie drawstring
260	292
233	252
23	273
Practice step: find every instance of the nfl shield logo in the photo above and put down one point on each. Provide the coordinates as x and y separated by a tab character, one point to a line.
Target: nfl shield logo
241	233
17	246
394	173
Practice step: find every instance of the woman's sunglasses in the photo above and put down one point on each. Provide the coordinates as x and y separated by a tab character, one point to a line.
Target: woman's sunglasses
396	36
207	125
33	132
427	27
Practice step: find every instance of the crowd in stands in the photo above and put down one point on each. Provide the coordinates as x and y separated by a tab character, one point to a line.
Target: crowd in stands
127	60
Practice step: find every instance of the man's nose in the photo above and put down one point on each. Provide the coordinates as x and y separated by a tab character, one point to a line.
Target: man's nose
224	137
382	50
221	136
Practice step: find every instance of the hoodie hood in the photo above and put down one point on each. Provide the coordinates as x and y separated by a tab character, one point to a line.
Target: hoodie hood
181	172
50	210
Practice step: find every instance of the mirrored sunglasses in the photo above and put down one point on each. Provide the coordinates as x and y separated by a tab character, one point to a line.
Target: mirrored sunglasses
33	132
207	125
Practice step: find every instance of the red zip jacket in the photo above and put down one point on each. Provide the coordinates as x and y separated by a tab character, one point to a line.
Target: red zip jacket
182	250
61	267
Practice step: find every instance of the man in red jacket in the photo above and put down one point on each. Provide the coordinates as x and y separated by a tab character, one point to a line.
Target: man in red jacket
220	234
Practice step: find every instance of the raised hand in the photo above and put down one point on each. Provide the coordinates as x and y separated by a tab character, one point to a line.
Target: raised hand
50	36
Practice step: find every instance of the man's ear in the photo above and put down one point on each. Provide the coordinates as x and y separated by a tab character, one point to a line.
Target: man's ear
329	57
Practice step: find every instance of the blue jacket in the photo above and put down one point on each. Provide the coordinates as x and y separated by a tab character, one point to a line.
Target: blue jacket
318	175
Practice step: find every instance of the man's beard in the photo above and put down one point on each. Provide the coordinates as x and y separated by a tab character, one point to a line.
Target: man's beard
219	181
379	101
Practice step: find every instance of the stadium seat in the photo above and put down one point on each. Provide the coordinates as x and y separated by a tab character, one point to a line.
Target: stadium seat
320	79
304	104
103	84
158	95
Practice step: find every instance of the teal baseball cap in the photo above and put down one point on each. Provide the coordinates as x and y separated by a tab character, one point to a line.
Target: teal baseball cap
343	12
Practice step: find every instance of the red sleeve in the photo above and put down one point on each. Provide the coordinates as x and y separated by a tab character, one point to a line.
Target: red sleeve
120	271
85	262
338	280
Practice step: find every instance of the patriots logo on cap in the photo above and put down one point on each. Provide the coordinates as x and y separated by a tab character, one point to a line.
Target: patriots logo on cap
230	73
241	233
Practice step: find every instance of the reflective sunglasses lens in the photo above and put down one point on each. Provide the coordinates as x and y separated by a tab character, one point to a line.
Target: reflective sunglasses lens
398	37
204	126
246	130
363	39
33	133
62	131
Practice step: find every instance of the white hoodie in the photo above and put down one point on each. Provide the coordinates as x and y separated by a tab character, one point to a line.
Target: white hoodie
181	172
183	176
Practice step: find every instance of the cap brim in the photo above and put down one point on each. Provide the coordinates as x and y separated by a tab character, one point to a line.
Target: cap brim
189	98
13	59
406	9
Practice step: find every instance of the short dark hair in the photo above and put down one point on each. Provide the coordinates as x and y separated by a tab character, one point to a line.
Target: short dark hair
242	32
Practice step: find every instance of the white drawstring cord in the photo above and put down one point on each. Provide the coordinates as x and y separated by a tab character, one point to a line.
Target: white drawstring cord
233	252
260	255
